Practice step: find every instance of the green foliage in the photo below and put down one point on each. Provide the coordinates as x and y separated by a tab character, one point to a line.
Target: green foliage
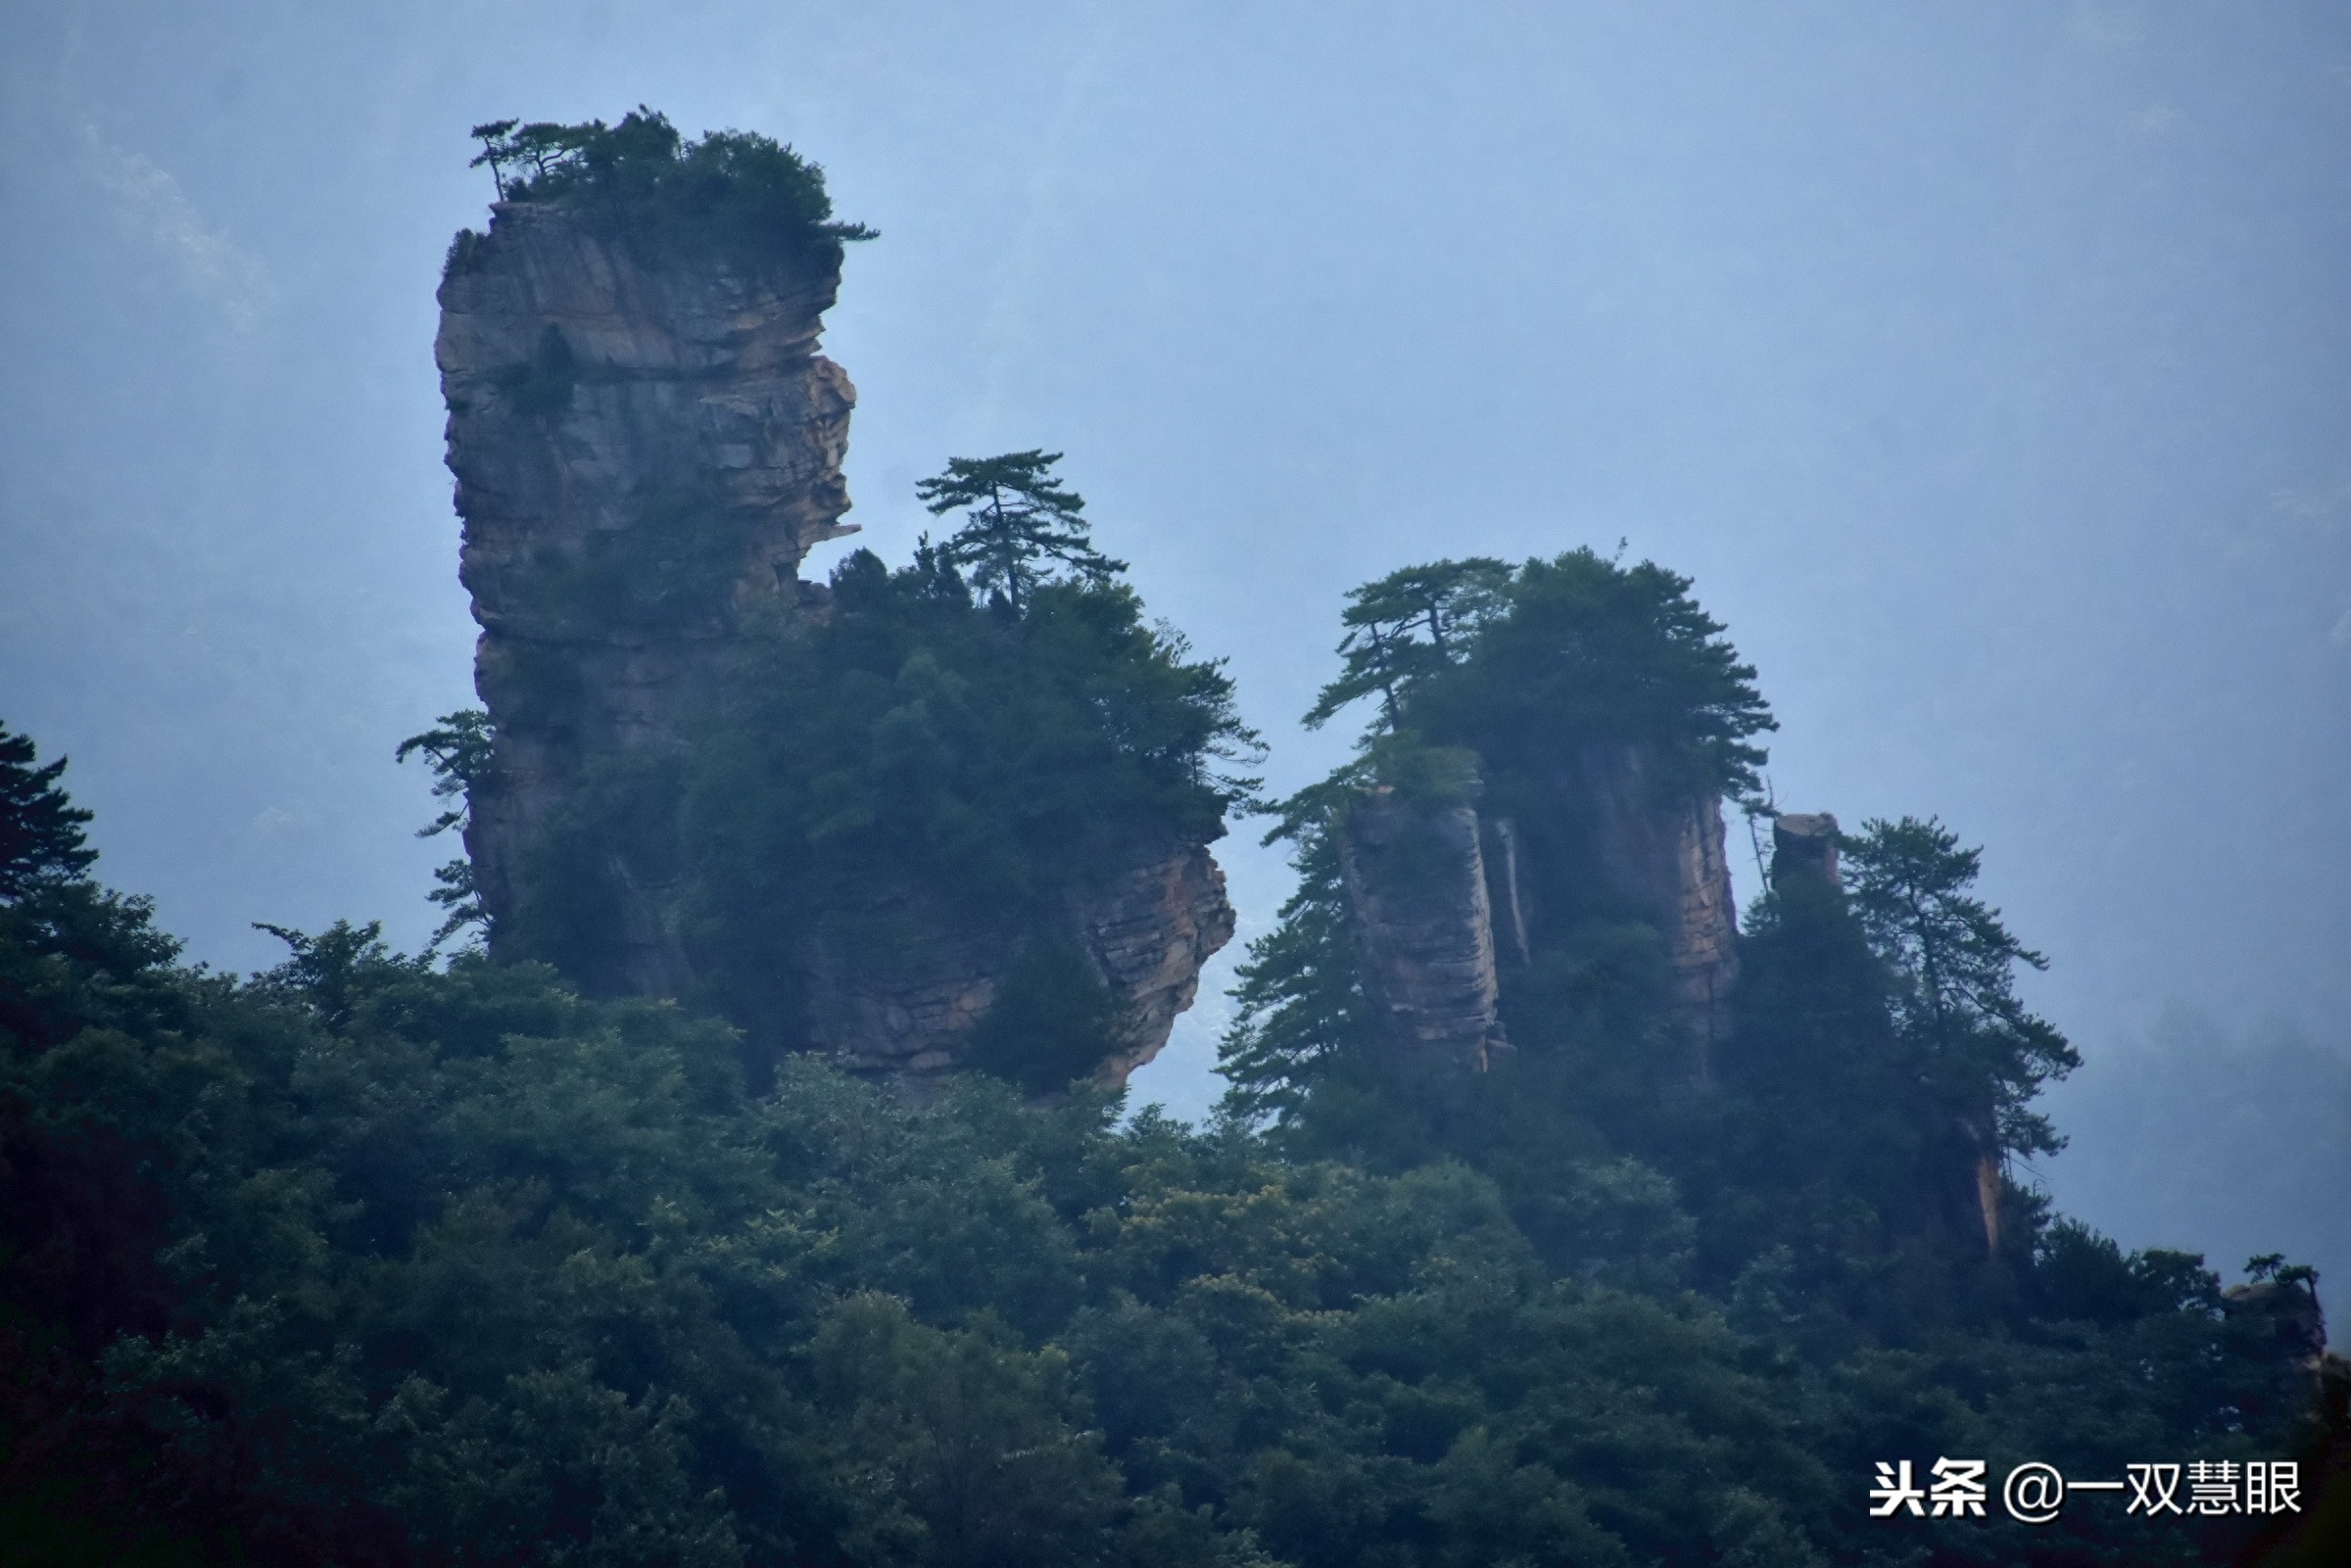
1299	1001
913	747
41	841
1823	1188
1518	678
971	1449
730	187
1955	966
1053	1021
1021	522
465	254
367	1261
1586	651
460	750
1410	624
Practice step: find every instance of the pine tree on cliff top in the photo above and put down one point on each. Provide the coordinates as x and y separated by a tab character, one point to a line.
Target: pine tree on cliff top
1407	626
1020	518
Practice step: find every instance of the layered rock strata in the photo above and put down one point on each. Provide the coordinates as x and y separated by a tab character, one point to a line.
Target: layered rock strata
1416	879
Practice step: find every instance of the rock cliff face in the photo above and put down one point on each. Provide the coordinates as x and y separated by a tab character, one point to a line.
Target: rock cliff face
1443	909
647	445
644	454
1150	929
1415	876
897	988
1660	852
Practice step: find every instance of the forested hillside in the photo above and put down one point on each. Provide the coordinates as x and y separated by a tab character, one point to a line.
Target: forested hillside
376	1259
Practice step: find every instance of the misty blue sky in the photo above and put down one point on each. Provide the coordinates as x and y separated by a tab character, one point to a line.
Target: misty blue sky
1985	364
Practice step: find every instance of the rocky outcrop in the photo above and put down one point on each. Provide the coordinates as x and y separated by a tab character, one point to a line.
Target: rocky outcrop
2292	1326
1150	929
1444	911
1506	892
1805	845
644	454
1659	851
1416	879
898	985
646	444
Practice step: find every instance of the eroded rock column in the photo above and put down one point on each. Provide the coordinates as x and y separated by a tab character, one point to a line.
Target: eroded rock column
1415	877
644	449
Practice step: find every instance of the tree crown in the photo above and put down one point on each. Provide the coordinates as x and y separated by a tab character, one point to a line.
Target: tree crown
1406	627
1954	967
458	748
1020	520
41	841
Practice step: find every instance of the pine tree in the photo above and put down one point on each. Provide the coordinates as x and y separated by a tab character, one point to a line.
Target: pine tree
1020	518
459	750
1954	965
1407	626
41	841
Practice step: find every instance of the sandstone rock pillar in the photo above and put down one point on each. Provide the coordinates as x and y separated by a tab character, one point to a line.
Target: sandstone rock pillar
645	448
1416	879
1660	851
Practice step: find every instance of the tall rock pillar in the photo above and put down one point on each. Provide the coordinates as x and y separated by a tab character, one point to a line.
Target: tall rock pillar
1660	851
646	447
1415	877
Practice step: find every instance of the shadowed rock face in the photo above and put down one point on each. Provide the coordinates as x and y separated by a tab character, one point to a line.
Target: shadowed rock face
1415	877
647	445
1805	844
1661	854
1150	929
1439	894
896	988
